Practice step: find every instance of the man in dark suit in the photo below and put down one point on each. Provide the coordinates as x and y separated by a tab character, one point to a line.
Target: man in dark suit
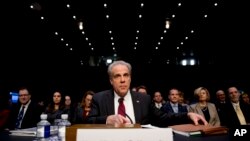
138	108
173	106
231	118
30	115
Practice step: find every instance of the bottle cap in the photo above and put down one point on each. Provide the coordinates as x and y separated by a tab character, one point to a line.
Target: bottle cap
43	116
64	116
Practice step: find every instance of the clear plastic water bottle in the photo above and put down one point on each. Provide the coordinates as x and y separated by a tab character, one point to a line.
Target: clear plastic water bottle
62	127
43	128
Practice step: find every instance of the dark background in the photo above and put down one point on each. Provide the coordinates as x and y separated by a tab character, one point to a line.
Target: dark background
31	55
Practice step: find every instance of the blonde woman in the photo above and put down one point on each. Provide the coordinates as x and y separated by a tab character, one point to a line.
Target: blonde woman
204	107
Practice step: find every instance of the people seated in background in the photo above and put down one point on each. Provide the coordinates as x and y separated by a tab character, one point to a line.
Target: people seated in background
26	113
158	100
182	100
122	106
83	108
204	107
236	112
174	107
142	89
220	96
133	89
244	97
56	108
220	104
69	107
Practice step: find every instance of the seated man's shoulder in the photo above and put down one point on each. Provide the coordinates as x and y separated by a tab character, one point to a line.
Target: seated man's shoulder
100	93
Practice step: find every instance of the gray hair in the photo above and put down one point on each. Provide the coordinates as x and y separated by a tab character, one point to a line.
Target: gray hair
120	62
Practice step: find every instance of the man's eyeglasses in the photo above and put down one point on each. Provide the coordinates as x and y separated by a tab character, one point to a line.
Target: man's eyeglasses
23	95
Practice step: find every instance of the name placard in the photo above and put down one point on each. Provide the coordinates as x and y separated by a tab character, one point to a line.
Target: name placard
132	134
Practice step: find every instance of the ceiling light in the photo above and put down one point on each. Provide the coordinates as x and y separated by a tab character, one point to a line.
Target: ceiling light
167	24
105	5
80	25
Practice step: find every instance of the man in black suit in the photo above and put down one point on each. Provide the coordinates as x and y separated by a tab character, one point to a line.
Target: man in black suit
231	118
30	115
138	107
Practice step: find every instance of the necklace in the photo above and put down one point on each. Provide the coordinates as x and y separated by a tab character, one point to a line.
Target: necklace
204	109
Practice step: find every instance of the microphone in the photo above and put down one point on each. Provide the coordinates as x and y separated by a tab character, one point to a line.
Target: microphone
121	100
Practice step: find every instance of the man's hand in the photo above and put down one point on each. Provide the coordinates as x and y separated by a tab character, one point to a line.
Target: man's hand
117	119
196	118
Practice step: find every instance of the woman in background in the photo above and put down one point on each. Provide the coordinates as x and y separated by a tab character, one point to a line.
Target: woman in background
204	107
69	107
56	108
83	108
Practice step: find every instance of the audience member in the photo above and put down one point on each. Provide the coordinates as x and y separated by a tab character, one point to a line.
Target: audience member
174	107
204	107
236	112
220	104
142	89
158	100
26	113
182	100
69	107
245	98
56	108
83	108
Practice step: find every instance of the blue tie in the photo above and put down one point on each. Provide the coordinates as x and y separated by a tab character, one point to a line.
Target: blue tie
19	118
175	108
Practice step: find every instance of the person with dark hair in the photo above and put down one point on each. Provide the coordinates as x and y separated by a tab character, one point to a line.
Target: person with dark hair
236	112
122	106
142	89
26	113
56	108
69	107
174	107
83	108
245	98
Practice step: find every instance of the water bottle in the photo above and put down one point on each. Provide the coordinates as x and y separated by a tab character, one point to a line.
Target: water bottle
62	127
43	128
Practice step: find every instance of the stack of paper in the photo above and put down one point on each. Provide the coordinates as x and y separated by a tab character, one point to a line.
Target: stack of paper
24	132
32	131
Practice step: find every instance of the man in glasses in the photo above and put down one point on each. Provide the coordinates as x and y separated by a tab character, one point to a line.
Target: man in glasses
26	113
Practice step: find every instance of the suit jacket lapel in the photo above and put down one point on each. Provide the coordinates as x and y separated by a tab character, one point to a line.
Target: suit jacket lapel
110	105
136	105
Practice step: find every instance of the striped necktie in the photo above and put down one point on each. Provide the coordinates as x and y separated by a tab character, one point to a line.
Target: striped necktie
19	118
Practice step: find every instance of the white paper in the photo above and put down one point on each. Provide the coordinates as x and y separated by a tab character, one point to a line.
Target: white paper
31	131
24	132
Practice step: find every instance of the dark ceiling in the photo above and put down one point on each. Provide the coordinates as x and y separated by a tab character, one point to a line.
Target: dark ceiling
219	38
31	51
